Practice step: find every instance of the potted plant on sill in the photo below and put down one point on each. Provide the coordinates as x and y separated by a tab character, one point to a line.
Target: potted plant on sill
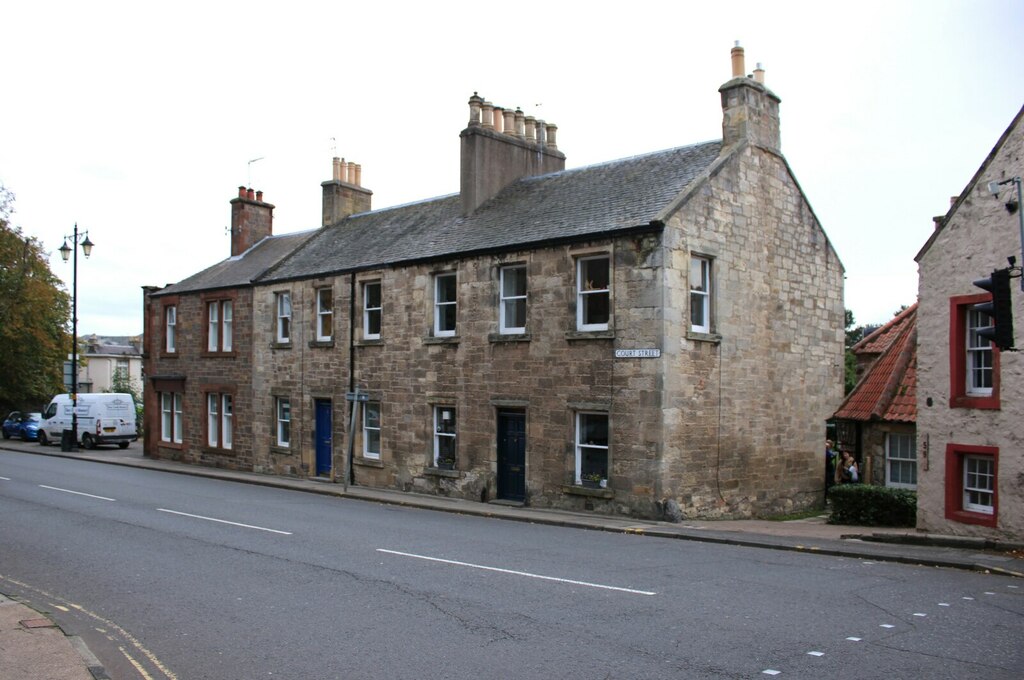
593	480
445	463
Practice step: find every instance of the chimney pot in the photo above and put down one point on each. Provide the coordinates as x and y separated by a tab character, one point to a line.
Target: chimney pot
488	121
738	66
542	136
759	73
475	103
520	121
551	130
259	196
250	194
358	181
336	169
531	129
509	125
241	192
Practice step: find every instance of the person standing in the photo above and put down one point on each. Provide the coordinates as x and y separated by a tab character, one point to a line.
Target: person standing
830	465
847	472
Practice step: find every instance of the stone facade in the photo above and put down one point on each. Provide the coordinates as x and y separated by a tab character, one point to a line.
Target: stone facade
607	380
972	240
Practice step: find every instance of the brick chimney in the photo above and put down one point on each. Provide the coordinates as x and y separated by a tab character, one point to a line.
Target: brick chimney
502	145
750	110
252	220
343	195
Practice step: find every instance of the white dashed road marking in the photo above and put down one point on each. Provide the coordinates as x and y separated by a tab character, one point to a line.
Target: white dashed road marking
516	573
224	521
77	493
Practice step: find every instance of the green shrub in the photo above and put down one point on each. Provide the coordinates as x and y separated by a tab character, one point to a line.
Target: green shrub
872	506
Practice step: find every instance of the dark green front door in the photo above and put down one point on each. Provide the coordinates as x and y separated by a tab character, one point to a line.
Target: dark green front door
512	455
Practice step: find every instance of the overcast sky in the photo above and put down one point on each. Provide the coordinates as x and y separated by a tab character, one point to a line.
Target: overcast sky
138	120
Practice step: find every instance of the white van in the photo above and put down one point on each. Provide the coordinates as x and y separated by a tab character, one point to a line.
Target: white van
107	418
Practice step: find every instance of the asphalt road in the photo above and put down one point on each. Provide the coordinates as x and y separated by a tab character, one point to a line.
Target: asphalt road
169	576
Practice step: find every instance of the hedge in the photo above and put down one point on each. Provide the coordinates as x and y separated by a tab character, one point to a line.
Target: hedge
872	506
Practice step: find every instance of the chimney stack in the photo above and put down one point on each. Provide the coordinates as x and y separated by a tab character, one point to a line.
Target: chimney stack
750	111
343	194
252	220
501	145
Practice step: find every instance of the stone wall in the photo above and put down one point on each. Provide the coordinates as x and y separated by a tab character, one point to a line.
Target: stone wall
549	373
976	239
204	372
746	406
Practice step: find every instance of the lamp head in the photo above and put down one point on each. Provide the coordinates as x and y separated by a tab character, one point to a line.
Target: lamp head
87	246
993	188
65	251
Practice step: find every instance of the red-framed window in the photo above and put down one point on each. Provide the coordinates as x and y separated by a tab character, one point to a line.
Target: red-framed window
973	363
972	484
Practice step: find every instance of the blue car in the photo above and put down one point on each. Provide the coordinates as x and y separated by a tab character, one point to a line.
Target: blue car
22	425
30	423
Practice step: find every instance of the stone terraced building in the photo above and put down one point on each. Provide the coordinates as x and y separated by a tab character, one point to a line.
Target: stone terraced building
659	336
970	394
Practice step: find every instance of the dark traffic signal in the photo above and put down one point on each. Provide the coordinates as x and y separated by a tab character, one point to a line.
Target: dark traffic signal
999	309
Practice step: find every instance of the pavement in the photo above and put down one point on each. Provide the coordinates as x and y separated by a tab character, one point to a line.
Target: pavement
32	646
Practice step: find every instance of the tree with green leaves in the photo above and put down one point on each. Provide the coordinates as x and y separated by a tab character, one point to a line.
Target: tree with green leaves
35	312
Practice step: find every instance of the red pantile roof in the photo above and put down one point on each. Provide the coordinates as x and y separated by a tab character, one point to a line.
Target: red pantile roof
888	389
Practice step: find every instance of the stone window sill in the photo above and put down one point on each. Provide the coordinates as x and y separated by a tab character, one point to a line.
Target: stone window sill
372	342
572	336
283	450
217	451
368	462
443	340
574	490
509	337
321	343
280	345
219	355
704	337
438	472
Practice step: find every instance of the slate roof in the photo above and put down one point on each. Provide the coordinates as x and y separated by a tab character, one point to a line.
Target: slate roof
577	203
888	389
240	270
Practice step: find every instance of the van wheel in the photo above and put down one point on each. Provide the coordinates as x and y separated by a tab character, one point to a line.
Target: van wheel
123	445
88	442
43	439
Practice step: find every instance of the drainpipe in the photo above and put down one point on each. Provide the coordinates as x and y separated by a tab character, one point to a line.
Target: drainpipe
351	377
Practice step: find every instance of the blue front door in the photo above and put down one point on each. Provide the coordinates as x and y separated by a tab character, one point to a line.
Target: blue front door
323	437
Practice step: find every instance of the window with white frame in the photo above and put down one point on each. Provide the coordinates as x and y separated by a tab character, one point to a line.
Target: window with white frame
445	297
371	430
283	419
170	322
372	310
901	460
979	355
170	417
979	484
324	314
227	325
593	293
121	370
213	327
283	305
444	436
700	294
213	419
512	312
591	446
227	420
219	415
219	323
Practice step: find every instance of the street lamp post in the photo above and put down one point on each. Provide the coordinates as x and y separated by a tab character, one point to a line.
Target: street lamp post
65	252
